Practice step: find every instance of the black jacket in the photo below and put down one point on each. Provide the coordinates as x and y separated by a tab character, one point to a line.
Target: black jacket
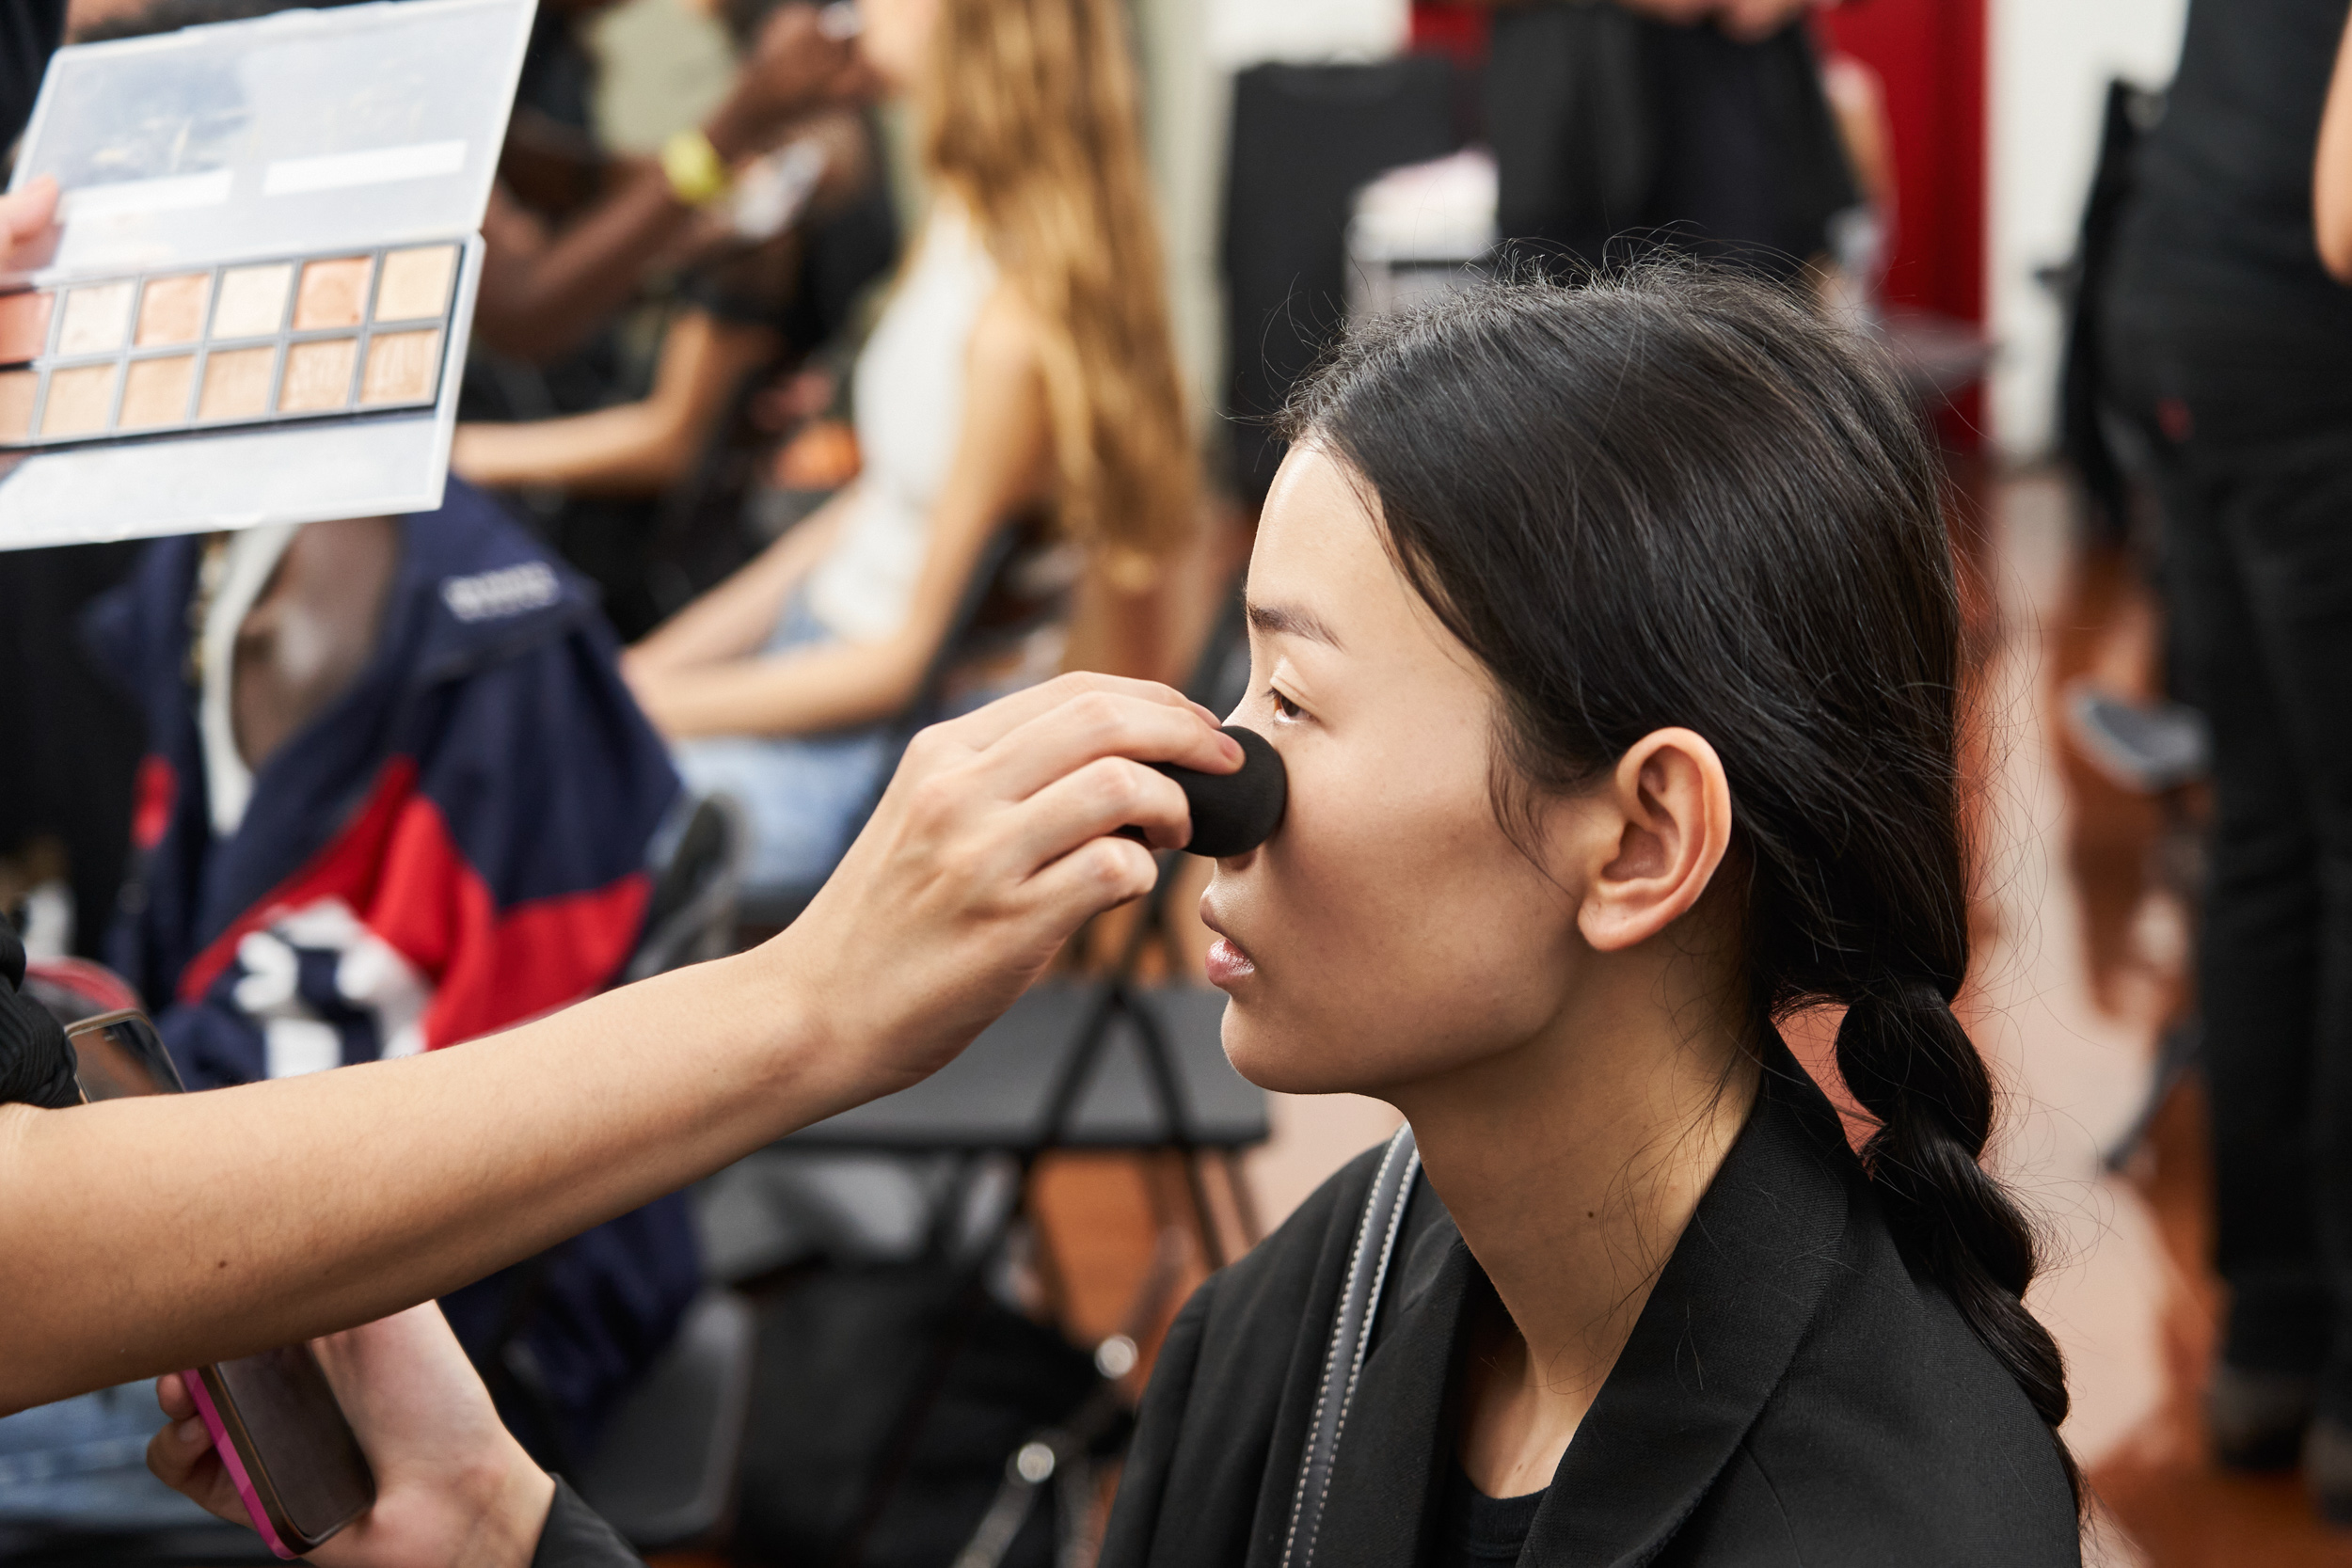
1791	1394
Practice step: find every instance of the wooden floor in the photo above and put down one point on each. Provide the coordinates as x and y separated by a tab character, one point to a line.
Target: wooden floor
2083	939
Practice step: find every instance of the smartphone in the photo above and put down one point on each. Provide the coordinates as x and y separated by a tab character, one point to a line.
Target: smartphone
275	1423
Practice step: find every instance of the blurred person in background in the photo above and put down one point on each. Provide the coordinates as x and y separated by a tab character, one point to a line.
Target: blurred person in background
2226	338
1023	366
395	798
744	322
1702	124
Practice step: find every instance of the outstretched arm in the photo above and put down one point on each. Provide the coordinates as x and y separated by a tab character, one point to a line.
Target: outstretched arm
147	1235
632	448
539	295
999	468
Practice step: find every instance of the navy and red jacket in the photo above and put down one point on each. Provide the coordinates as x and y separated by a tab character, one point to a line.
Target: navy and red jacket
457	842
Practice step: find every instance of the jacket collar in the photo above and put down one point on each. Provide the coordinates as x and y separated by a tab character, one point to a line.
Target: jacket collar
1711	1344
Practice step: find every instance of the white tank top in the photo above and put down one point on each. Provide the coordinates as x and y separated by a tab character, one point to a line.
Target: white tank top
907	402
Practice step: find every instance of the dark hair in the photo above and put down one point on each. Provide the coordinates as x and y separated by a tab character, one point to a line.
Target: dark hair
1676	496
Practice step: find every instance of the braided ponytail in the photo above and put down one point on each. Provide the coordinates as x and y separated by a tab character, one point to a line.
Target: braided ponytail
1911	1065
1673	497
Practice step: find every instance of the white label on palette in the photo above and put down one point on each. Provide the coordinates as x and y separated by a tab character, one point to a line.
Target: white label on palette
377	167
175	193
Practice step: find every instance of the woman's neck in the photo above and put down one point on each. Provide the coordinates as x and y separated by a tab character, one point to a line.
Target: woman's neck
1572	1164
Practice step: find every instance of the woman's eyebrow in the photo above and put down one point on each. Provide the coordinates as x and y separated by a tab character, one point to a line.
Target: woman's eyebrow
1291	620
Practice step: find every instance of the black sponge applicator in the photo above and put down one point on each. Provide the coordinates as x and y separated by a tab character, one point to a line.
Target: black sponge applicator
1232	813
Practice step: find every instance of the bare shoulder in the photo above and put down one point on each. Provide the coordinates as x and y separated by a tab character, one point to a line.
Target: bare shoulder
1008	340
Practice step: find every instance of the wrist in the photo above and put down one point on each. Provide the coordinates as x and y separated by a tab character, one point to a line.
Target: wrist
814	1064
511	1505
729	132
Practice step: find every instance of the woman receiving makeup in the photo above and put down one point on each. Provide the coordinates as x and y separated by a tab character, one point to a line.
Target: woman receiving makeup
1610	640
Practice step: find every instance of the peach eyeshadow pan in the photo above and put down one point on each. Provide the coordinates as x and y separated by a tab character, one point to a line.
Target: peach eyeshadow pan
403	367
171	309
415	283
97	318
25	325
16	389
333	293
318	375
79	401
155	393
236	383
253	301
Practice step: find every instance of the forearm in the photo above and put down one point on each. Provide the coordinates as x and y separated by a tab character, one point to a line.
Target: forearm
804	692
733	619
295	1207
544	308
629	450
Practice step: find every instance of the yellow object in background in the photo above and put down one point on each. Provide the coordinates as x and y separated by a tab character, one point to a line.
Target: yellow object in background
697	174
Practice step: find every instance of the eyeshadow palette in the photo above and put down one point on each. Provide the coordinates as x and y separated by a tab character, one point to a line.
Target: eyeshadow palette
256	301
300	338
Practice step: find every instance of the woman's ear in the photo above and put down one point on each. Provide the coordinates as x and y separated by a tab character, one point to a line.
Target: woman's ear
1660	826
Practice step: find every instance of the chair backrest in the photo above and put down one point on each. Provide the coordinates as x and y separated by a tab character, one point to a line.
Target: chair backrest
663	1471
696	889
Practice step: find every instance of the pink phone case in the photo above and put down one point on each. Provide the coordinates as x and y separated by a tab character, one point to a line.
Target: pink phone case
224	1447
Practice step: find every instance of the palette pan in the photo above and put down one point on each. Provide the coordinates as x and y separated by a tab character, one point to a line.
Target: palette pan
300	338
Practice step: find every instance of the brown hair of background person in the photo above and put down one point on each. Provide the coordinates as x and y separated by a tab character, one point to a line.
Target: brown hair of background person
1033	121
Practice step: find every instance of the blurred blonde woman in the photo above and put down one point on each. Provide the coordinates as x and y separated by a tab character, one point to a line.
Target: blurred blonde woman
1022	364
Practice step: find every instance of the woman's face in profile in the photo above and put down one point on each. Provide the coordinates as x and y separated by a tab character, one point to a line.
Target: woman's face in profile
1390	929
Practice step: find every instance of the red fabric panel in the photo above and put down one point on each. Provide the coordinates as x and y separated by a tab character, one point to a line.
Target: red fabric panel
1447	27
345	869
492	969
153	793
403	875
1929	56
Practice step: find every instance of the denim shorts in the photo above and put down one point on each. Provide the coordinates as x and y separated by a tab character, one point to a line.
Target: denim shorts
803	796
82	1463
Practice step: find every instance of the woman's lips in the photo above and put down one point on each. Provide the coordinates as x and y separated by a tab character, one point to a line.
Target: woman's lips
1228	964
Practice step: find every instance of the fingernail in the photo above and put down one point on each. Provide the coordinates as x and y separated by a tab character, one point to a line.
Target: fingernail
1232	748
190	1432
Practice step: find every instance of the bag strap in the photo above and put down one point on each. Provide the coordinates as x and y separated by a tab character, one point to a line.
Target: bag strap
1351	1338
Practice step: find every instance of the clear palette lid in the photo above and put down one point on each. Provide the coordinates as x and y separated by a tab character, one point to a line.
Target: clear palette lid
296	132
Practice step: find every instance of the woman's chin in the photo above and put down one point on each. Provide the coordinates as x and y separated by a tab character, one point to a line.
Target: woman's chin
1281	1061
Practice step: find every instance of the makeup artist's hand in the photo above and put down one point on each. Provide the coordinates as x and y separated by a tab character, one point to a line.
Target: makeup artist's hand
987	853
451	1487
793	67
25	218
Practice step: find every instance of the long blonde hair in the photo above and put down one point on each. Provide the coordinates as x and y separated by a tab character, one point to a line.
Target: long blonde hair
1031	118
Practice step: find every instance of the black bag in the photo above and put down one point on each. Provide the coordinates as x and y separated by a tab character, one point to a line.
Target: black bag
845	1354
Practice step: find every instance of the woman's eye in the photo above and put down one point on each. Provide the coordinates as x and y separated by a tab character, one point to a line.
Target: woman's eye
1283	705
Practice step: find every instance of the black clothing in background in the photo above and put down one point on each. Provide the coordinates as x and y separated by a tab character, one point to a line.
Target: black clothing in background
1792	1393
1305	139
577	1536
73	739
35	1063
2219	283
30	31
2226	346
1612	131
2257	544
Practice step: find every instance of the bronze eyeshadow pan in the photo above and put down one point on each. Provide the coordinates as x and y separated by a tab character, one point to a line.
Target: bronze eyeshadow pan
293	338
